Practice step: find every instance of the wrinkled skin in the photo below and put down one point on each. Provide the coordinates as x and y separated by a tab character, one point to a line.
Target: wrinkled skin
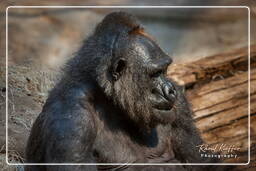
114	104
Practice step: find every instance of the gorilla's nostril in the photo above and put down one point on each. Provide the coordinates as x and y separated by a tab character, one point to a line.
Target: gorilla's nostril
172	90
153	91
169	91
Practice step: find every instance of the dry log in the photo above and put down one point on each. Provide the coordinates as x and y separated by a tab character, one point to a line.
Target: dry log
212	68
217	88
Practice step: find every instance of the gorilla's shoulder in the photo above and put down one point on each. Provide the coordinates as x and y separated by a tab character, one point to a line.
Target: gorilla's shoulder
73	96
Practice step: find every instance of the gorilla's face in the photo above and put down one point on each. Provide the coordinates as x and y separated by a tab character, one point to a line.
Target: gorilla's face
139	81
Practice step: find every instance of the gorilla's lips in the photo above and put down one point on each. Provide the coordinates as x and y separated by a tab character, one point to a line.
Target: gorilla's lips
163	98
163	103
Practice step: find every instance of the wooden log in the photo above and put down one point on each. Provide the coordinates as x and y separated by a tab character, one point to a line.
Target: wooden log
235	133
217	88
213	102
212	95
212	68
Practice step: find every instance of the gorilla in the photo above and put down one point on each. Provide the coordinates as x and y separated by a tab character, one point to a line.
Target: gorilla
114	104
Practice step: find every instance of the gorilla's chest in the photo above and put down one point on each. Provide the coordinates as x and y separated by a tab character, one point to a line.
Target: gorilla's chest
119	147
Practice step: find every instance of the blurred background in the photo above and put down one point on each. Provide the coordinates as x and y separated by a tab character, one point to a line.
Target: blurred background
41	40
50	36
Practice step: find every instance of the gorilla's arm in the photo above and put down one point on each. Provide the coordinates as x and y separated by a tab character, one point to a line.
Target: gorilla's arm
66	130
72	134
68	141
185	135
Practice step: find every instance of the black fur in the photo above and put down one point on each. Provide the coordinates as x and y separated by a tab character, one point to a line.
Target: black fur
114	105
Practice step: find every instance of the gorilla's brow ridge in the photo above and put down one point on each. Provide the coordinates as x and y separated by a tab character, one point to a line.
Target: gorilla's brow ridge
140	31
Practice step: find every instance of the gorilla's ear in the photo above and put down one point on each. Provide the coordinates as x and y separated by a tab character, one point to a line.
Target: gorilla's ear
118	68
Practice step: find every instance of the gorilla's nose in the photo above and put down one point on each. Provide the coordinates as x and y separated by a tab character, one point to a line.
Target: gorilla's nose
169	91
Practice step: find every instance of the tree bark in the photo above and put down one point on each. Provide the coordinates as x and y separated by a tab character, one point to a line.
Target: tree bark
217	88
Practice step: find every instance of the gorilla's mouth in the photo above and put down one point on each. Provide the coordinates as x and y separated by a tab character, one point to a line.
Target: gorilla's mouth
164	104
161	102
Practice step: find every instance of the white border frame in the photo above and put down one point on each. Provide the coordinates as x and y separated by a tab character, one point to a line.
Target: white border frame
120	7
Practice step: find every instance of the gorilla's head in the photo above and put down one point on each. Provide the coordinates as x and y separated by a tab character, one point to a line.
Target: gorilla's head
131	70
